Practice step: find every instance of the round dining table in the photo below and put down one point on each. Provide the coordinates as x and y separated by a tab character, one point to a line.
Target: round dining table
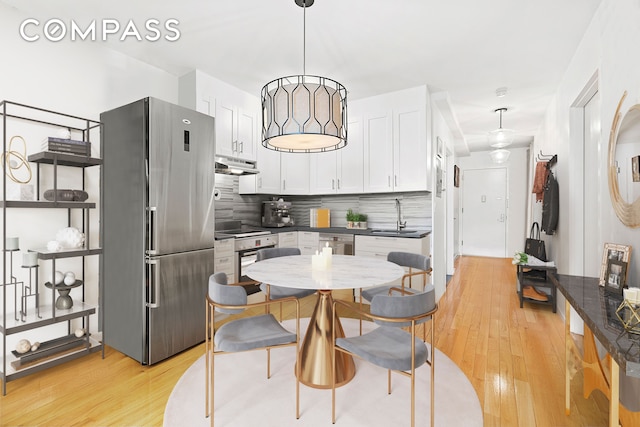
344	272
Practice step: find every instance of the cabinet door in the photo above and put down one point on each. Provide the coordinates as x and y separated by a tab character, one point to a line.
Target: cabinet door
378	152
410	150
324	172
225	128
294	173
268	180
247	131
350	160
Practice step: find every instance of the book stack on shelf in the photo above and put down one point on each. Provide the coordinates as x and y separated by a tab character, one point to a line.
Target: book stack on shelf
67	146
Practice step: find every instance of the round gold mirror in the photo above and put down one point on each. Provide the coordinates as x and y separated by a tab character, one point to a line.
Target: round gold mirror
624	165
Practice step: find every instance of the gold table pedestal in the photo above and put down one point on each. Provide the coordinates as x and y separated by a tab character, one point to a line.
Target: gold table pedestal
315	353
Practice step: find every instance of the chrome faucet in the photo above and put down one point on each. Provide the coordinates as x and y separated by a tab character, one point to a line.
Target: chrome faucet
399	223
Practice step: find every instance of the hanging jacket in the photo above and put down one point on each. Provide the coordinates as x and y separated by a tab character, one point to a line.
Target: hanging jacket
550	205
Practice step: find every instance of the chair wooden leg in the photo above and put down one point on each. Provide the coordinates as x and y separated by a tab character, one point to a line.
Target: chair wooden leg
388	381
361	309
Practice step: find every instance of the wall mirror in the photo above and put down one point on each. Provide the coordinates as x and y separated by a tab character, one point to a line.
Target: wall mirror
624	164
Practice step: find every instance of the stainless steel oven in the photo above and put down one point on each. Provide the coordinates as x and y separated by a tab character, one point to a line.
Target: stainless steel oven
246	249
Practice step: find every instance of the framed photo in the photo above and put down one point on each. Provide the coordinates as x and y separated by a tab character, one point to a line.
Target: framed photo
613	252
635	168
439	147
616	276
456	176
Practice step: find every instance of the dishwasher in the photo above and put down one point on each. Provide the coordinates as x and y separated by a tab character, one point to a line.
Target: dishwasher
341	244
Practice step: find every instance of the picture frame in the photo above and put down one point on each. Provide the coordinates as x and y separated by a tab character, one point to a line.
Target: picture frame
616	276
456	176
615	252
439	147
635	168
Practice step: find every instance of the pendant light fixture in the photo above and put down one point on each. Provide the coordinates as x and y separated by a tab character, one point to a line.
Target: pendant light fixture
301	113
500	155
501	137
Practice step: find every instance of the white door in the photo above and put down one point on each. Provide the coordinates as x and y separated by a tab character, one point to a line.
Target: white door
484	219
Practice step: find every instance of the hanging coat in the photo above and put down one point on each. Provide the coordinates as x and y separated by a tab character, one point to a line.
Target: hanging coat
550	205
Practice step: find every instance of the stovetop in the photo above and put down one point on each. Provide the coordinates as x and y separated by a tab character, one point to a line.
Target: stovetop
228	229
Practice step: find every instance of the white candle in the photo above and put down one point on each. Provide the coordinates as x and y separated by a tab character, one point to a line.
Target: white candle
326	255
12	243
30	259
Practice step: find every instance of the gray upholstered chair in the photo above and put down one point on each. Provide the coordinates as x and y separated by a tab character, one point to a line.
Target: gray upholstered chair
243	334
279	292
419	266
389	346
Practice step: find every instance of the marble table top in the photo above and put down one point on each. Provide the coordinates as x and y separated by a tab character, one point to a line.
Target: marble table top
597	308
346	272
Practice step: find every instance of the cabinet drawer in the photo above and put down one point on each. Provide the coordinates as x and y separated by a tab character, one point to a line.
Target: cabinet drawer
224	248
308	238
366	245
223	264
288	240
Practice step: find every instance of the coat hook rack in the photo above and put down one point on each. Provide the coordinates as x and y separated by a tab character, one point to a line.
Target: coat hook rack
551	159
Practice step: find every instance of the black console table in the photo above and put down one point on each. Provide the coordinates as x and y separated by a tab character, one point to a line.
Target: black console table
597	309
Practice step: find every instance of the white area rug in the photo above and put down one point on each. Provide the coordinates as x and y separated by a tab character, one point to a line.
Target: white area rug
244	396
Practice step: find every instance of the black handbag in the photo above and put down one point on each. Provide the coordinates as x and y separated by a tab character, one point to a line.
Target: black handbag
534	245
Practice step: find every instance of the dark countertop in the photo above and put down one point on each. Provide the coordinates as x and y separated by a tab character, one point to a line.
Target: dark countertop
343	230
597	309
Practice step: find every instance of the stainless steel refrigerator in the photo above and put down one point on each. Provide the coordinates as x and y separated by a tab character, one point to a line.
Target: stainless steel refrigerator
157	221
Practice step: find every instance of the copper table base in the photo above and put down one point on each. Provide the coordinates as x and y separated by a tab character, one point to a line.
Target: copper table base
315	353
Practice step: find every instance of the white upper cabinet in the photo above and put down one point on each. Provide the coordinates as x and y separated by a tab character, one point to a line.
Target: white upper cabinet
410	141
236	112
236	130
340	171
395	142
378	152
294	173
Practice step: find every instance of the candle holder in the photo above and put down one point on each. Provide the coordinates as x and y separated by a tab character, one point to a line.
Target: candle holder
30	291
11	246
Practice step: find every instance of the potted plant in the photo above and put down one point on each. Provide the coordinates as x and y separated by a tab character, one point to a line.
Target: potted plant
351	218
361	221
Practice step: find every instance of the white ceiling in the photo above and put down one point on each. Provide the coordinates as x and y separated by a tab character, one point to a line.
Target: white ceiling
468	48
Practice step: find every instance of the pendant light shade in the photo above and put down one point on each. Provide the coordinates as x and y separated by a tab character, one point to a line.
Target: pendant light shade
501	137
500	155
302	113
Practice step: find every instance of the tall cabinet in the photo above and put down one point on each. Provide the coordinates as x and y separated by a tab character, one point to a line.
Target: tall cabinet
34	306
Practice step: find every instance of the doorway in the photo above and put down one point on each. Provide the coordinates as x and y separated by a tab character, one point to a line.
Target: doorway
484	218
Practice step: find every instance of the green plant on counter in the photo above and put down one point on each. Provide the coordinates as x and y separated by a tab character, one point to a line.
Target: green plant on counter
361	217
352	216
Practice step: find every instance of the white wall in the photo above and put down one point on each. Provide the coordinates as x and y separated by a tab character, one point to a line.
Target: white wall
606	48
440	234
77	78
517	191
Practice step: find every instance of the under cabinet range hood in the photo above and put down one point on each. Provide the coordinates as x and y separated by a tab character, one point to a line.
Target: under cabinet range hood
233	166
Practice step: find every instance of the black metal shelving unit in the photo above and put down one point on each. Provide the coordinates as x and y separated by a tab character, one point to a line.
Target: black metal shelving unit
67	347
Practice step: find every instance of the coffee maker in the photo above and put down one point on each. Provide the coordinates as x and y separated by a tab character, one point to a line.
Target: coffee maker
276	213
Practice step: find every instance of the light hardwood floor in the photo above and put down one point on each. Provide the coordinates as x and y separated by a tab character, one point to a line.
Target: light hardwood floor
513	357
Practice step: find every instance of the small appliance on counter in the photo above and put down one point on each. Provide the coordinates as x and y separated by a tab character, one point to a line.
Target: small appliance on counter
276	213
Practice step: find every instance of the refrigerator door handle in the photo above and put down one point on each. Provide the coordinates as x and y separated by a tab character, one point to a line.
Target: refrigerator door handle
151	231
154	298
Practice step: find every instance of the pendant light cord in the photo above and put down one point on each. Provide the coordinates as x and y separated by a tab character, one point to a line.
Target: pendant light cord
304	39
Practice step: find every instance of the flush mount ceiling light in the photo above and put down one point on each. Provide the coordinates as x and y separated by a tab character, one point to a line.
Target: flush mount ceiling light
500	155
304	114
501	137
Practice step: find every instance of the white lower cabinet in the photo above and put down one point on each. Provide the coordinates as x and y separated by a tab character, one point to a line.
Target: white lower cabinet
308	242
223	258
379	247
288	239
